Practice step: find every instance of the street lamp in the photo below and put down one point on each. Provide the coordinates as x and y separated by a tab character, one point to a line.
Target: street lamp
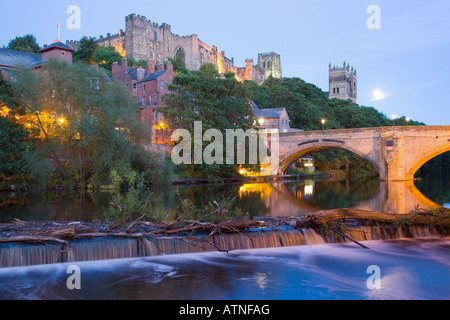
393	118
323	124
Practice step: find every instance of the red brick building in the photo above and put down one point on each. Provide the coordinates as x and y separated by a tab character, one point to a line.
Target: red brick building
149	87
11	59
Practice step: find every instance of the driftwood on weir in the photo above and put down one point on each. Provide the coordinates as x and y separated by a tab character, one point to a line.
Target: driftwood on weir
420	217
64	232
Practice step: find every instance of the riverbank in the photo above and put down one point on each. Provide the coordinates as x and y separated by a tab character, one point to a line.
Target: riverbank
184	182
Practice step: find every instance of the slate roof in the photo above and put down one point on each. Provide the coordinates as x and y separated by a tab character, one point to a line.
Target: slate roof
15	59
57	45
267	113
153	76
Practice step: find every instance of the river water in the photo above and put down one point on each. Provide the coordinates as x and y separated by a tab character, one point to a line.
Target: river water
409	270
289	198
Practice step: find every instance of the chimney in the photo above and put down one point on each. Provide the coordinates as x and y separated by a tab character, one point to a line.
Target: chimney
150	66
160	66
115	70
125	65
169	66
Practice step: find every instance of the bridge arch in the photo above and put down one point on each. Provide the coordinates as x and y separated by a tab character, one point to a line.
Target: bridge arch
424	158
315	146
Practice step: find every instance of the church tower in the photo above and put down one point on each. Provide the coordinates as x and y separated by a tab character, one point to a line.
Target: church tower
343	83
271	64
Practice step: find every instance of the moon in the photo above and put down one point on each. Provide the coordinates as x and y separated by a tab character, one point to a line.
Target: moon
378	95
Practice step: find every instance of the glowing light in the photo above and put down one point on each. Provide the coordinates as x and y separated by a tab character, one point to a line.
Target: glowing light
61	121
309	165
120	49
324	121
261	121
309	190
408	119
394	116
378	95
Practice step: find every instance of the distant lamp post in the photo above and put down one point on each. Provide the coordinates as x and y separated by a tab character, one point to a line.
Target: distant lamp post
394	117
323	124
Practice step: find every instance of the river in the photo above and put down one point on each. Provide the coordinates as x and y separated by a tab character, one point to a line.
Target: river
289	198
408	269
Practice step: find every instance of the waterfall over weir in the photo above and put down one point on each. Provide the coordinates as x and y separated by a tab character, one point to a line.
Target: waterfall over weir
17	255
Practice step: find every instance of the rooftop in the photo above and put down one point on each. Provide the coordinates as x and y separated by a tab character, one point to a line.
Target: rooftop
267	113
153	76
59	45
15	59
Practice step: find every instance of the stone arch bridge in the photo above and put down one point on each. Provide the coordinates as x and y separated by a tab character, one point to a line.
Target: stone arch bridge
396	152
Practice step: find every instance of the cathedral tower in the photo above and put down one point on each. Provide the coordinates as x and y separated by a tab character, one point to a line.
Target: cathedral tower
343	83
271	64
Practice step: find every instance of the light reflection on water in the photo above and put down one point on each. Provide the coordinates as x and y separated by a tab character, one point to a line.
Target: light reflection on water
410	269
258	199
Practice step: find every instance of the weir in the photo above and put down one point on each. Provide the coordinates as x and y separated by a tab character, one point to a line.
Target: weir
18	255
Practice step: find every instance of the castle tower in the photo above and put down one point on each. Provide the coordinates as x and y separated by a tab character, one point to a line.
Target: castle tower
271	64
343	83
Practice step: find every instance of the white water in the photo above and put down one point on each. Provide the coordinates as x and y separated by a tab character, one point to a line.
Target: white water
410	269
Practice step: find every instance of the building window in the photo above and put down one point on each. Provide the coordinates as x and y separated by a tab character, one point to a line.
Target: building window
150	102
162	85
154	100
134	86
143	101
179	53
143	88
334	90
337	90
63	53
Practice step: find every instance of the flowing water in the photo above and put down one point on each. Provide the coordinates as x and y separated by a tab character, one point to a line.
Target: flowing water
410	269
301	264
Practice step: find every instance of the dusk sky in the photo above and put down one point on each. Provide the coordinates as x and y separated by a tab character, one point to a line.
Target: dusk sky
405	62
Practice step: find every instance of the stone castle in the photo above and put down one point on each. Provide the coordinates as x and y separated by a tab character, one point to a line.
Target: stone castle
343	83
144	40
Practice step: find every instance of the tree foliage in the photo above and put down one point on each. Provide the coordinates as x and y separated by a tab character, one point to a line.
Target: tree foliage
105	57
24	43
219	102
86	50
88	126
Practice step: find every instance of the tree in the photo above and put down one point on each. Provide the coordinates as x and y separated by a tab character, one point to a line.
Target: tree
87	125
25	43
105	57
219	102
86	50
19	163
